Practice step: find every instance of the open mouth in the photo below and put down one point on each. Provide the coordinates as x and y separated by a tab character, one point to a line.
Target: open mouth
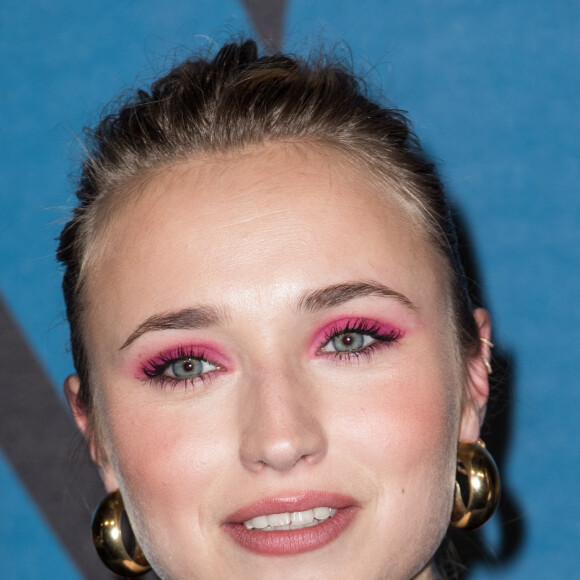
270	527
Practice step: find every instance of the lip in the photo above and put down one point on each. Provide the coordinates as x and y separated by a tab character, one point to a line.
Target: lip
286	542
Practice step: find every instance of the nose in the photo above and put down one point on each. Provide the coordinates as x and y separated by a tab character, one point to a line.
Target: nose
282	424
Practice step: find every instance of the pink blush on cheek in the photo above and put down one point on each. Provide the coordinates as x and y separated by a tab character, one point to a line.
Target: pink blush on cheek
352	323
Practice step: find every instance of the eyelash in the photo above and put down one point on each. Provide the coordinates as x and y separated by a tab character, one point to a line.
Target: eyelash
362	326
154	369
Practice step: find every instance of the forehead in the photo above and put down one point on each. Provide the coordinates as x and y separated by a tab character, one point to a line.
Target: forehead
277	216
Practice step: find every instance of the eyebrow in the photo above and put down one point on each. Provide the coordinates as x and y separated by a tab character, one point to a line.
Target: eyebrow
341	293
185	319
313	301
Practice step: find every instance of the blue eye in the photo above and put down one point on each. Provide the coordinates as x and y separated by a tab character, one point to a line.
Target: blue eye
182	367
358	338
348	342
188	368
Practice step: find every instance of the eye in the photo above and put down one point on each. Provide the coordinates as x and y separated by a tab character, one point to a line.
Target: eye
348	342
188	368
358	338
180	367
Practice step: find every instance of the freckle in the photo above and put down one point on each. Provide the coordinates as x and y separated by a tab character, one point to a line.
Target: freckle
403	491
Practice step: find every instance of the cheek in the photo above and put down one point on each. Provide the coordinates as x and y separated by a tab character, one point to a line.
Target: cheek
399	435
402	430
166	456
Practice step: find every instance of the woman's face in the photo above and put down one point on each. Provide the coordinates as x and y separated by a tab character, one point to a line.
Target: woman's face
266	338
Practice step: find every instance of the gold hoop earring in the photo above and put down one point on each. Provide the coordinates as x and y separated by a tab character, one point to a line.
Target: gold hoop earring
477	486
108	540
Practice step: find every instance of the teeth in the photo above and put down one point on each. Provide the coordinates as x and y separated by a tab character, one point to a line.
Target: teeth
279	519
290	521
260	522
300	518
321	513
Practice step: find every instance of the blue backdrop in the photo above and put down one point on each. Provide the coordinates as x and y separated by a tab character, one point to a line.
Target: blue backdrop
493	88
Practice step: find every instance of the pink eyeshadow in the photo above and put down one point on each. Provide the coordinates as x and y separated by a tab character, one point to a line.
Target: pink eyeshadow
161	356
337	325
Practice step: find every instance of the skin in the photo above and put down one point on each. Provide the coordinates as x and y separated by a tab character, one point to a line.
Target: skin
249	235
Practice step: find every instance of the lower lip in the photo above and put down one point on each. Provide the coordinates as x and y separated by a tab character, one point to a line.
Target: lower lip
284	542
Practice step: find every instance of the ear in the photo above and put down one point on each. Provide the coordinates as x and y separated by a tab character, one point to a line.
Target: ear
477	381
72	386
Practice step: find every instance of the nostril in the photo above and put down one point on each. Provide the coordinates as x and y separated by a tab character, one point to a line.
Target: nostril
282	450
282	456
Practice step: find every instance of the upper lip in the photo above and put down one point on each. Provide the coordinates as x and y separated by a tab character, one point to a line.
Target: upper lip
294	502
